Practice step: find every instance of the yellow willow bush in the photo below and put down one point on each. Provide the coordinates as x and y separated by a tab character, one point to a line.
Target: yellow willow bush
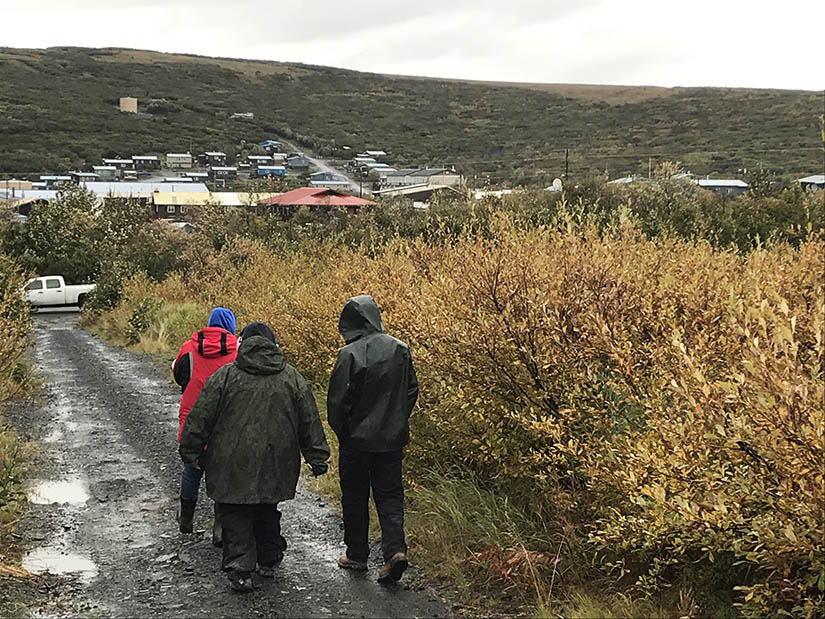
663	398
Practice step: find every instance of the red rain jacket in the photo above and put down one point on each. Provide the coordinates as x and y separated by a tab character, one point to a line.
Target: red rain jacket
198	358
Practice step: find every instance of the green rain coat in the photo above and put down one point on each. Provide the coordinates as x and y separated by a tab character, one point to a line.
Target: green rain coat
258	416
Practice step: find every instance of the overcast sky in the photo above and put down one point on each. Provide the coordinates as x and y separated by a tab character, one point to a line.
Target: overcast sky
656	42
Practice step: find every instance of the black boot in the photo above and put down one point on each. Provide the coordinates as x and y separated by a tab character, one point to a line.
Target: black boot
217	530
186	514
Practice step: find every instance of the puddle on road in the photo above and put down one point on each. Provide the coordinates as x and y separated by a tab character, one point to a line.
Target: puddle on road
57	561
73	492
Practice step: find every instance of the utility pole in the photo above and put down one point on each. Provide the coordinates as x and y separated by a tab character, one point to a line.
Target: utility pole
566	162
649	168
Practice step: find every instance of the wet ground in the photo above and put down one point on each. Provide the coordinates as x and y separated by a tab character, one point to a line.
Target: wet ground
103	502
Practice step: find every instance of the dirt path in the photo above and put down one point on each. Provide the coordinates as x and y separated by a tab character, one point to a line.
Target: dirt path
104	503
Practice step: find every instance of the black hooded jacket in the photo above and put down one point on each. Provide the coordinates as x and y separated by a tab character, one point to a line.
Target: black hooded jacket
373	387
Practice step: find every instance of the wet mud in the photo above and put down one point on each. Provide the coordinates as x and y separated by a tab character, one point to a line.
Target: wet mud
103	497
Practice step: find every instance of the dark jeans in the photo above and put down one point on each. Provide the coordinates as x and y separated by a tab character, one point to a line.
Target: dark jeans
359	471
190	481
251	534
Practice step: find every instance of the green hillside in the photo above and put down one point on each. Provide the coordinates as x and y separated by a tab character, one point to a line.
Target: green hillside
58	111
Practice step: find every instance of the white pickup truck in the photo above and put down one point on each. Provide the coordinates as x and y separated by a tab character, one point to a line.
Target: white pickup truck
52	291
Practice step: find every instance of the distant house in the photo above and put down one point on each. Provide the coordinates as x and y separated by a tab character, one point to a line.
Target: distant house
105	172
297	162
270	170
120	164
53	182
146	162
375	154
84	177
178	179
258	160
321	176
222	172
420	195
334	184
214	158
723	187
317	199
278	157
426	176
242	116
12	186
128	104
812	183
271	146
179	160
198	176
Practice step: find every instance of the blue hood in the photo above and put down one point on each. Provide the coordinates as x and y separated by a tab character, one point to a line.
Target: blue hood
223	318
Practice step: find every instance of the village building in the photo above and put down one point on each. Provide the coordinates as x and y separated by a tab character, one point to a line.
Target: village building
13	185
178	160
84	177
419	195
129	104
812	183
214	158
146	162
256	160
317	199
197	176
723	187
270	170
222	173
297	162
179	204
105	172
271	146
426	176
120	164
54	182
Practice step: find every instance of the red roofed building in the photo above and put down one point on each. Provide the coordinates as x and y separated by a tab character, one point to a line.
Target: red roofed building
315	198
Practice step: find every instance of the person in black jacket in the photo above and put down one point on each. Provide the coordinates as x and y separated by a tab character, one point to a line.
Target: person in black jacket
372	391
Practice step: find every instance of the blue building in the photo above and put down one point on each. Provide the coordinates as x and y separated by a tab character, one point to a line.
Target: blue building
271	146
270	170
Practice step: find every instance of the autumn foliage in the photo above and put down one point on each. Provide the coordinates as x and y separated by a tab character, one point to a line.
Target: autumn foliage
658	403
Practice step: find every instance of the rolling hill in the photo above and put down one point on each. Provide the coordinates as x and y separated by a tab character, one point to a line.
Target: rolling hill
58	111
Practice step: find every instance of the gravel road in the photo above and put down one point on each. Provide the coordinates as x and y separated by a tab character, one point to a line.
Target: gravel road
103	501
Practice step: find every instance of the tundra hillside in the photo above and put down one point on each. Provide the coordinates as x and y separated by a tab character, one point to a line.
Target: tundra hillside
621	407
60	112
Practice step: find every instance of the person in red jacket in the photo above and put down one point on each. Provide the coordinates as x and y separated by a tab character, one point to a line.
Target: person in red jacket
198	358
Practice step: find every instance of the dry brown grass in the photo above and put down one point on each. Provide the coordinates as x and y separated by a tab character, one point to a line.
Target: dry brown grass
612	94
249	68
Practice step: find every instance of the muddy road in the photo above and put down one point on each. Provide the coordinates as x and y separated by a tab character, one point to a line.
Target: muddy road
104	494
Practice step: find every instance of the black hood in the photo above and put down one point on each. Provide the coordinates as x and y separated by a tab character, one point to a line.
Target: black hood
359	317
258	355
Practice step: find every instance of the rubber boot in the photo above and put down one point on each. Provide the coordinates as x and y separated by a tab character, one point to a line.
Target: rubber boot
186	514
217	530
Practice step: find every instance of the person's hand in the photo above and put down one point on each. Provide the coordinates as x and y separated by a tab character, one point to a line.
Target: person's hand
318	469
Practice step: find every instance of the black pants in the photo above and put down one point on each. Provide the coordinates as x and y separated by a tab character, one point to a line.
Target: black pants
251	534
358	471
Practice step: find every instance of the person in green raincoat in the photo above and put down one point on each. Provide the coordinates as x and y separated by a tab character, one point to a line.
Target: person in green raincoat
258	416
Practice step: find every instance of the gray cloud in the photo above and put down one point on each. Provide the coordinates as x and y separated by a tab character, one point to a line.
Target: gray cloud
731	43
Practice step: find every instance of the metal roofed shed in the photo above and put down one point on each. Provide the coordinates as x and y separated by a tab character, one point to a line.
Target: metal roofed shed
723	187
816	181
